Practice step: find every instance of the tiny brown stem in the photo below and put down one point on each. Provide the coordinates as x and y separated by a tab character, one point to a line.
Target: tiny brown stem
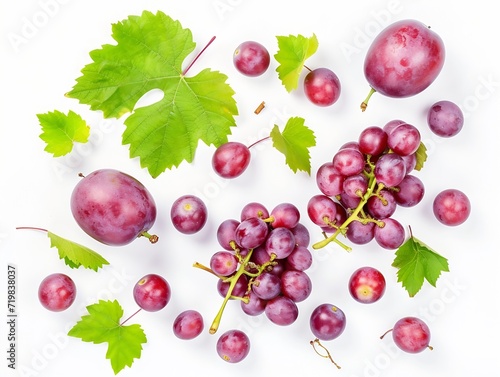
315	343
384	334
260	107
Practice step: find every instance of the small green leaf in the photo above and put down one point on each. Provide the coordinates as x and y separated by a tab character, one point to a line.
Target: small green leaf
149	54
421	155
102	325
61	131
76	255
292	53
415	262
294	142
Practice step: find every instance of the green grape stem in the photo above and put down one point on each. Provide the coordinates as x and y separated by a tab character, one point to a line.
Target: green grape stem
364	104
373	189
233	280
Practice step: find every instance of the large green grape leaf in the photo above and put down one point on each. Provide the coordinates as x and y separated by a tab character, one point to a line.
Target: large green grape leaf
102	325
149	54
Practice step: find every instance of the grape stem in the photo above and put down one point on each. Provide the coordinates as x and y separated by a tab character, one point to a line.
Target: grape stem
197	56
32	228
153	238
364	104
315	343
258	141
234	279
384	334
353	216
126	320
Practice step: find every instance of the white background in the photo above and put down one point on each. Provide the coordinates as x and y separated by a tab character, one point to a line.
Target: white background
53	42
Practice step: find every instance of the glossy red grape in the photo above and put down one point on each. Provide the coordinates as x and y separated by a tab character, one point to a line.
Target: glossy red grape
152	292
348	161
404	59
251	233
57	292
360	233
300	259
226	233
282	311
285	215
233	346
266	286
254	209
251	58
188	214
411	334
113	207
372	141
391	235
410	191
451	207
231	159
322	87
223	263
404	139
296	285
188	325
280	243
329	179
322	210
445	118
390	169
367	285
327	322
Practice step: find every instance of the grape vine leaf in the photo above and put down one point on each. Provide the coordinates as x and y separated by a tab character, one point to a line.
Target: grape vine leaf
421	155
415	262
293	51
294	142
76	255
148	55
102	325
60	131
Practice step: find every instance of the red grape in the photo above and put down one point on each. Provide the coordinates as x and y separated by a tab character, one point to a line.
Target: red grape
445	118
188	214
233	346
152	292
411	335
367	285
231	159
113	207
404	59
57	292
251	58
451	207
327	322
188	325
322	87
404	139
282	311
391	235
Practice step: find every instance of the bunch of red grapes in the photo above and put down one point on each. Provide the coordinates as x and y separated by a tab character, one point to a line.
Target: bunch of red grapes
365	182
263	262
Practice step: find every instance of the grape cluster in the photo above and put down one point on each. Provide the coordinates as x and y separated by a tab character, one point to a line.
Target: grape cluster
263	262
363	185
